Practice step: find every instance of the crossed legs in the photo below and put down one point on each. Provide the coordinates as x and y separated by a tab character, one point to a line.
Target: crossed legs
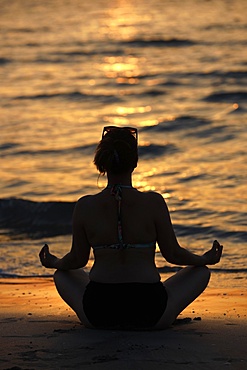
182	289
71	286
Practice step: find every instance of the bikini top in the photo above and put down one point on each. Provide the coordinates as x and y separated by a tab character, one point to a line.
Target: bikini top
116	190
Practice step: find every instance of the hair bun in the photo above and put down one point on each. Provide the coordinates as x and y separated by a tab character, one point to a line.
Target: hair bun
116	152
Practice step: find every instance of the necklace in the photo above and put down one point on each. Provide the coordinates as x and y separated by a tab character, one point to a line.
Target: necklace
119	186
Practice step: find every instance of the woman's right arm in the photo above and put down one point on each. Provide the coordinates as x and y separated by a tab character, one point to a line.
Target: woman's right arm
169	246
78	255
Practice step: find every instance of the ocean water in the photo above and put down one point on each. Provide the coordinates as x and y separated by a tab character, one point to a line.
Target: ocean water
175	70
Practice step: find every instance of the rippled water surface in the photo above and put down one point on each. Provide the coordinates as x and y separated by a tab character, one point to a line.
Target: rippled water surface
176	70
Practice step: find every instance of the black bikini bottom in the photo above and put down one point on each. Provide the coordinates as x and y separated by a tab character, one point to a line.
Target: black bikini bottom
125	305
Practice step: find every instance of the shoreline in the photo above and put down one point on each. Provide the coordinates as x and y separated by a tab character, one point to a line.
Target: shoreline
38	330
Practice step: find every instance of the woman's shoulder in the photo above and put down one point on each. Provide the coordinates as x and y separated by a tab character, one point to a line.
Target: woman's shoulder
87	200
152	195
83	202
84	199
84	206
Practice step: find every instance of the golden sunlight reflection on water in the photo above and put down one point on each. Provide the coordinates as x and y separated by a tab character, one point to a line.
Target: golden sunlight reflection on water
125	70
121	20
124	111
68	68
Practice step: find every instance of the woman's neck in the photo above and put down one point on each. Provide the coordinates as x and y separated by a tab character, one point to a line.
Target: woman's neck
121	179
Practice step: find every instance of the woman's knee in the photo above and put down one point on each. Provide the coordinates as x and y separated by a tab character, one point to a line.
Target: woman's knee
57	278
61	278
63	274
204	273
58	274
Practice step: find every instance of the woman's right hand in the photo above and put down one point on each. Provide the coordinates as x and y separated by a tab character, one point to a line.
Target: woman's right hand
47	259
214	254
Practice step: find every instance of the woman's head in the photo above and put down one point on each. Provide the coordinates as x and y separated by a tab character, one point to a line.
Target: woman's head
117	151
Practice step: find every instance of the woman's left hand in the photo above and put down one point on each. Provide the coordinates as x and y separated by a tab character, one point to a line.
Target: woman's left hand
46	258
213	256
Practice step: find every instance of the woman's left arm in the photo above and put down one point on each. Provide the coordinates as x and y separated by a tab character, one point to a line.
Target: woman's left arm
80	249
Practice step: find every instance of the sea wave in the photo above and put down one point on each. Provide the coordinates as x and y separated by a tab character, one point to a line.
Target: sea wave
233	97
192	126
8	146
4	61
6	275
78	96
168	269
182	122
148	151
73	95
210	232
230	77
15	150
155	150
162	270
36	220
215	134
158	42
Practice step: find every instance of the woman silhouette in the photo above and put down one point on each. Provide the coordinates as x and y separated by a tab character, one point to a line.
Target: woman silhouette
122	225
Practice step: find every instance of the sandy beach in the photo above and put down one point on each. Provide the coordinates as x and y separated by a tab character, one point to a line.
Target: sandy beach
38	331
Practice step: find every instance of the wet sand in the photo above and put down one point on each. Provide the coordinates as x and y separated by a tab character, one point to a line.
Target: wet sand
39	331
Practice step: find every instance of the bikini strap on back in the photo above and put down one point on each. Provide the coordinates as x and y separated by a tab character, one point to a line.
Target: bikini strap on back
116	191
